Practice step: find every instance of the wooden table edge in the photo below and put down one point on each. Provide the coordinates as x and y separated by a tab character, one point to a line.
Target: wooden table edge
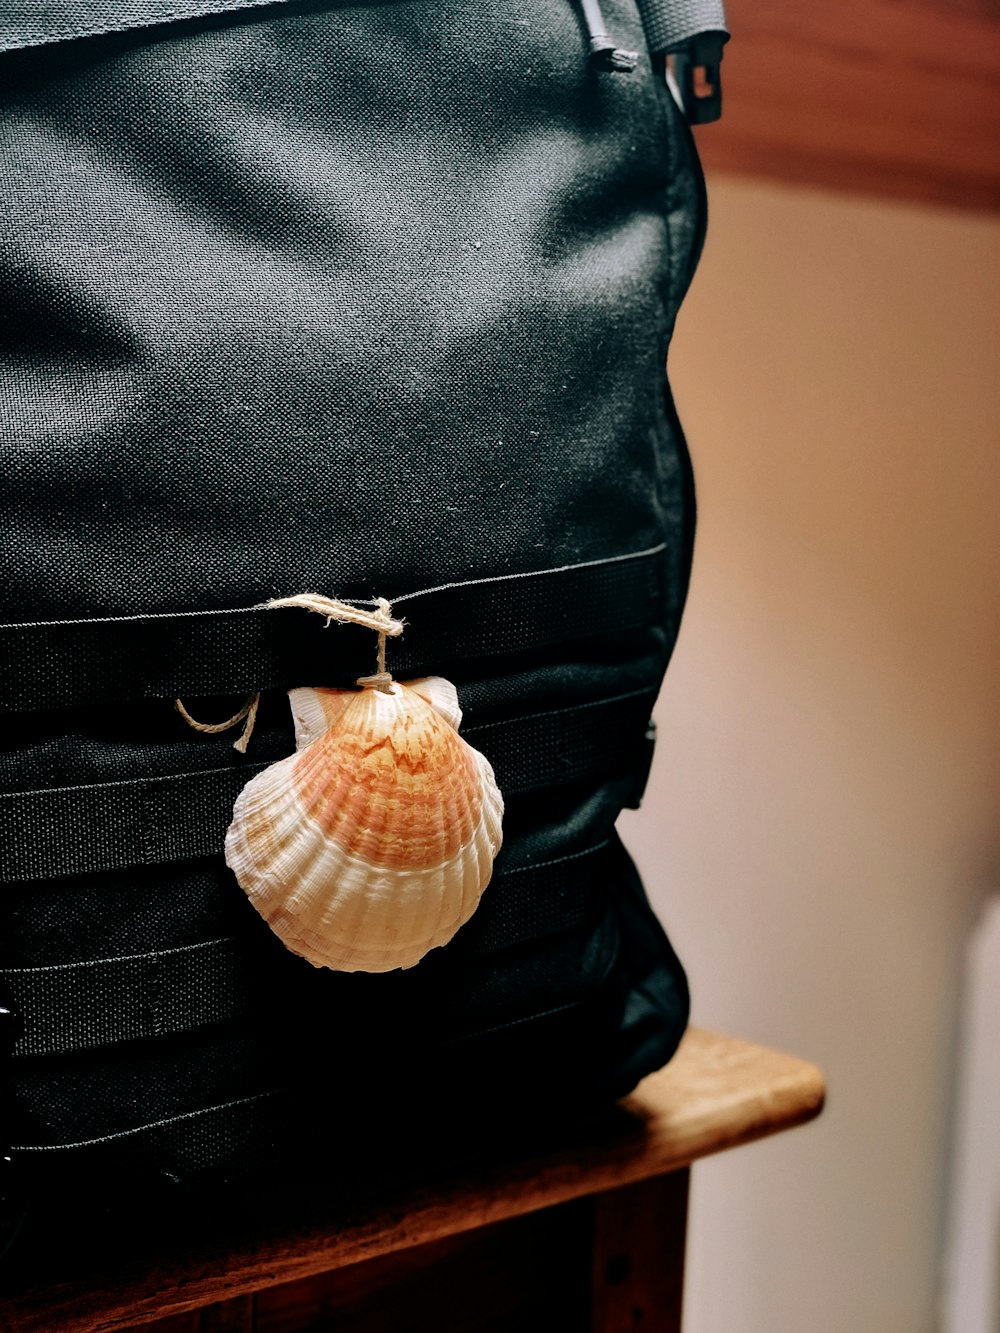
717	1093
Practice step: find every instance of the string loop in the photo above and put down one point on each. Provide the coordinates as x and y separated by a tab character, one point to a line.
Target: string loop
342	613
248	711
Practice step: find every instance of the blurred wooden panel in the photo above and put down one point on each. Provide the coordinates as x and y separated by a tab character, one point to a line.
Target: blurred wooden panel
638	1256
889	97
235	1316
530	1274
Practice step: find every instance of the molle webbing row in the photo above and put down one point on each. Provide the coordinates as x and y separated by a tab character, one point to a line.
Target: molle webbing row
150	821
76	1006
55	664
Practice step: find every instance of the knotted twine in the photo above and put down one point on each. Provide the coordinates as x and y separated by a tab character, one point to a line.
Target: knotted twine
381	621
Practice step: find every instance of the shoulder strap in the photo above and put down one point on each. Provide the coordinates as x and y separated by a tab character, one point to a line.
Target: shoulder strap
669	23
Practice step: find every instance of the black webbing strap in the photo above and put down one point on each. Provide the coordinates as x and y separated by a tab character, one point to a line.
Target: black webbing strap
544	750
113	825
79	1005
54	664
236	1130
76	1006
536	901
192	1139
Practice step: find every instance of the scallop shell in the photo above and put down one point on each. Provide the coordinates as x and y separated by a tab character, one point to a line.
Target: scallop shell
372	844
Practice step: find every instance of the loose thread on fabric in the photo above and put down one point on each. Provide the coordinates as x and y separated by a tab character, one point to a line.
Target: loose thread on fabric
381	621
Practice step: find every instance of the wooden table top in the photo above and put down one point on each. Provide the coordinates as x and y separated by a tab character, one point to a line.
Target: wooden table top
717	1093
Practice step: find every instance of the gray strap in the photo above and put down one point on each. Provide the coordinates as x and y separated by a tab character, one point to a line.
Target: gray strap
67	20
671	23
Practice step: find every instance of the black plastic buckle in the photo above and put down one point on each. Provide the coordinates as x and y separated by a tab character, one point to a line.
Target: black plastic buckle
643	765
695	66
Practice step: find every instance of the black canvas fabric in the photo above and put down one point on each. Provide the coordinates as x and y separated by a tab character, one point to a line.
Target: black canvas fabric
369	299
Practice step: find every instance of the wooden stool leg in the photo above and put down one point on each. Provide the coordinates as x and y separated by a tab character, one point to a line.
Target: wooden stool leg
638	1256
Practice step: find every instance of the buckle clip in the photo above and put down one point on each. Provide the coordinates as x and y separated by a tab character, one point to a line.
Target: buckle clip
694	69
641	771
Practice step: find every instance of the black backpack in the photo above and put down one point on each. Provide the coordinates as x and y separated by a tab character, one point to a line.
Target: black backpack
367	299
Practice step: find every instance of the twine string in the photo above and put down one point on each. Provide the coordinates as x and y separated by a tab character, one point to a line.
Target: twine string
248	711
381	680
342	613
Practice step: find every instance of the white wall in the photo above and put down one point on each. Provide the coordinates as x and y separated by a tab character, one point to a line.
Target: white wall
821	824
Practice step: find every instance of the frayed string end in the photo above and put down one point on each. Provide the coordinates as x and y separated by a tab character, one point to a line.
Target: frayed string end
603	51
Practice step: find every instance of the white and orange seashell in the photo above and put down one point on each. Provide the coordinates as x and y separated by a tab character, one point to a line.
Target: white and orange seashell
372	844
